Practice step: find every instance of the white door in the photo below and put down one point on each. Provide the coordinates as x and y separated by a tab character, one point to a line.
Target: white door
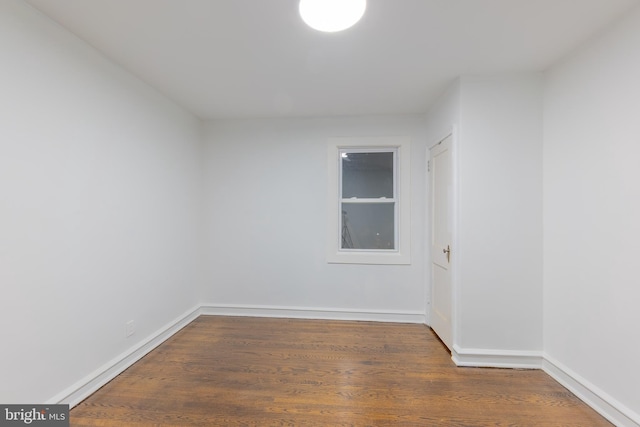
440	166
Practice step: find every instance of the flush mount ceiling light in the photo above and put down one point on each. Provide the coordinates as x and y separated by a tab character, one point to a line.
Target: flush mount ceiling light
331	15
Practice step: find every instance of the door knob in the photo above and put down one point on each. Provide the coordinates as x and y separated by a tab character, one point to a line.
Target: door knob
448	252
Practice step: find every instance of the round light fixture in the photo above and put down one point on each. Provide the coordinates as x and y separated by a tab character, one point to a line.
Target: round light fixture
332	15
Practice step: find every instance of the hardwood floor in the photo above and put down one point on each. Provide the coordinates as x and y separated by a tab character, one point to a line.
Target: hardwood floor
231	371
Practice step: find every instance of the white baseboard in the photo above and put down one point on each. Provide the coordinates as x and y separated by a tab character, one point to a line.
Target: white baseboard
597	399
482	358
314	313
79	391
600	401
82	389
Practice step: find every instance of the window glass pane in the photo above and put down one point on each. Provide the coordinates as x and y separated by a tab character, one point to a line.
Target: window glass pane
367	175
368	226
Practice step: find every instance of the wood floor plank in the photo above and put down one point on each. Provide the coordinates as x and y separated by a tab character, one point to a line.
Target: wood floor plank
235	371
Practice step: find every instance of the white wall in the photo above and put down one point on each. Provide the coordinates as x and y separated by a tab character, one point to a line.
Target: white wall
267	213
497	252
500	213
444	115
592	215
99	208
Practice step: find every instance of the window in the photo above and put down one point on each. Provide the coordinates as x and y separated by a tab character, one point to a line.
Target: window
369	200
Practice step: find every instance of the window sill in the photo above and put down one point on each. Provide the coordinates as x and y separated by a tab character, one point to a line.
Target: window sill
382	258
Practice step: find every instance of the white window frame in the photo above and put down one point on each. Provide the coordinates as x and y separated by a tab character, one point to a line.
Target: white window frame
402	196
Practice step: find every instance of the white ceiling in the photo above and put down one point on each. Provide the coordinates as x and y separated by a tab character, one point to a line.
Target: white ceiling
255	58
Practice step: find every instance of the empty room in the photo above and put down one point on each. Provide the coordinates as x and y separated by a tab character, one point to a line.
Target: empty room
238	212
